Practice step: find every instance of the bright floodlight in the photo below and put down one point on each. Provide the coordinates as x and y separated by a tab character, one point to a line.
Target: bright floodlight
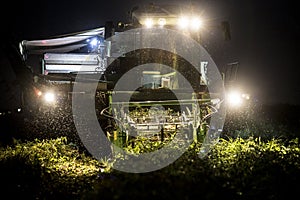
183	22
94	42
49	97
196	23
148	22
162	21
246	96
234	98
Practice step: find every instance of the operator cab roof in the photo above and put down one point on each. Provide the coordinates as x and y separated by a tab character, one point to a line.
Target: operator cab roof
61	44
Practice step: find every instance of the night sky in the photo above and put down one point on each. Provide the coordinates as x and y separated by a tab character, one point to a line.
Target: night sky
265	35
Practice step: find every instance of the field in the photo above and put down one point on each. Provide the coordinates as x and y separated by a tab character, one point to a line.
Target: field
257	157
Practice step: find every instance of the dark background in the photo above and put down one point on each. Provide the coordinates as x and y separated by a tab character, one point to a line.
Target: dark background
265	35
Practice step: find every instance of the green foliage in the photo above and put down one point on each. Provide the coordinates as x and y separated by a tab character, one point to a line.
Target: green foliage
238	168
139	145
61	166
251	168
143	145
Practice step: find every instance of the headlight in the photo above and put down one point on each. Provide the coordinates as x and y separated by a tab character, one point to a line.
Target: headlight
94	42
234	99
162	21
49	97
196	23
183	22
188	22
148	22
246	96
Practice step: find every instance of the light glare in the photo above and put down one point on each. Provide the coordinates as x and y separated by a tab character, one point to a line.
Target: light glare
196	23
190	22
183	22
149	23
162	21
49	97
234	98
94	42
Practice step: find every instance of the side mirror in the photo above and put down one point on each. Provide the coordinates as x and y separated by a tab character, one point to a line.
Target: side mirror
109	29
226	30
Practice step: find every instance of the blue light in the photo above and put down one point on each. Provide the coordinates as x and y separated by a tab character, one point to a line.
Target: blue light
94	42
